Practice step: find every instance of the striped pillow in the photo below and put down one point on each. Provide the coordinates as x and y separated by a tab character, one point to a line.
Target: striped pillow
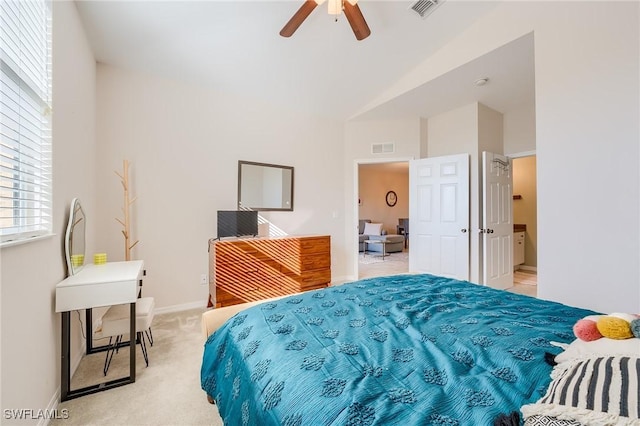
599	390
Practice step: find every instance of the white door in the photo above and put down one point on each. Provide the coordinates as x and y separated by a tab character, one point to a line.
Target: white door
497	221
439	216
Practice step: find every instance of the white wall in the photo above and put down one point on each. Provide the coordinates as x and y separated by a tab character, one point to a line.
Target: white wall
588	159
30	328
586	69
520	129
490	130
184	143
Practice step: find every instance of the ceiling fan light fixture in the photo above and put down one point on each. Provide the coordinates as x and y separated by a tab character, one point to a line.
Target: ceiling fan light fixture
351	10
335	7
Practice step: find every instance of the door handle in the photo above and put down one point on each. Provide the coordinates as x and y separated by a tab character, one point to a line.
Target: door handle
463	230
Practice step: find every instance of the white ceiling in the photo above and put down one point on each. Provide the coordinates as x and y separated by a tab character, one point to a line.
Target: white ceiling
234	46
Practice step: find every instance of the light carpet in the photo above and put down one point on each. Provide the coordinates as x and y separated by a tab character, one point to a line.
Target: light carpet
373	265
373	257
167	392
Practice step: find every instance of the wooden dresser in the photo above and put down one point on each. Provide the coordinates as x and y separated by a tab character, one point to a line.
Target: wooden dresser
255	269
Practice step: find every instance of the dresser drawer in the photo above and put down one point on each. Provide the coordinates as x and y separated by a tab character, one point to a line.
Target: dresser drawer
307	263
248	266
226	297
319	261
315	245
238	251
313	278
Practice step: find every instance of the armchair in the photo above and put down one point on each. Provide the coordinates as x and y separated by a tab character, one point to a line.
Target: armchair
361	236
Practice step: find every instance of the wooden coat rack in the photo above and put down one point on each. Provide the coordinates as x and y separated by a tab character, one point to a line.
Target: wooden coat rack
124	179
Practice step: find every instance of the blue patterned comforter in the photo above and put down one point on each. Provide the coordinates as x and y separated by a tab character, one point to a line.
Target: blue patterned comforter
408	349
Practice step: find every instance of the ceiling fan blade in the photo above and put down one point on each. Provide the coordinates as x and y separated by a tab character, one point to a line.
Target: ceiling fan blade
356	20
298	18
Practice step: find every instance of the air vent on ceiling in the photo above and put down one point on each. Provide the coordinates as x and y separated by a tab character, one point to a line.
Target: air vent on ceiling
424	8
383	148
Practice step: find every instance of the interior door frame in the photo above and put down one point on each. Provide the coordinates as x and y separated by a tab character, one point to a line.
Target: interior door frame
355	207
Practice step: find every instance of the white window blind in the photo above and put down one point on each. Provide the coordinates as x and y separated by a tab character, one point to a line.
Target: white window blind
25	119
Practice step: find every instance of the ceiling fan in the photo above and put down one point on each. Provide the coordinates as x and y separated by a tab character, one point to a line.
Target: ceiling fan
351	11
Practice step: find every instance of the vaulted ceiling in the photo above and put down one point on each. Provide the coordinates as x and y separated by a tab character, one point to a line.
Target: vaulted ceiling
234	47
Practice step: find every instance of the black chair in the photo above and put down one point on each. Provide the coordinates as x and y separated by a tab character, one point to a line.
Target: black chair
403	229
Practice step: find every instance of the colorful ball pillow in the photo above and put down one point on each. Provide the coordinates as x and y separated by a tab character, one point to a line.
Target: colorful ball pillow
618	326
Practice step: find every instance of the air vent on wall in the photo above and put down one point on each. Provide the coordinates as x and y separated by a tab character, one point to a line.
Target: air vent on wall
425	7
383	148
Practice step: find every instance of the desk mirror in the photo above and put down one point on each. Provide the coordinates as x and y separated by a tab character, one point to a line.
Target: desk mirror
74	241
265	187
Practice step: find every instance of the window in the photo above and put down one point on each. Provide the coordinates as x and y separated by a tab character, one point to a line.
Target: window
25	119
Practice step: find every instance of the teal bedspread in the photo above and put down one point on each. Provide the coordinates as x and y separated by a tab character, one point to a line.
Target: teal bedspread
399	350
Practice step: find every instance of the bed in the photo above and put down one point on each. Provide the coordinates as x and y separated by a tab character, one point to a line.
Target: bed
405	349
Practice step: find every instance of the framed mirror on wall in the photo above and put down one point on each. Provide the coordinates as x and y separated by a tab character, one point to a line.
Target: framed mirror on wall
265	187
74	241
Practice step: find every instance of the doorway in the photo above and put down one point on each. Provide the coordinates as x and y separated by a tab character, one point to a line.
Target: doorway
525	207
382	196
524	210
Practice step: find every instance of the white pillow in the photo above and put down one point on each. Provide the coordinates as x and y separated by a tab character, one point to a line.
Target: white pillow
372	229
579	349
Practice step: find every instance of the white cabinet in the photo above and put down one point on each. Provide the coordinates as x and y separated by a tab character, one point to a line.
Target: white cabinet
518	248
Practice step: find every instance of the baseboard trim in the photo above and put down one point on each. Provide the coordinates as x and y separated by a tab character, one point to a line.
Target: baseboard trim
341	280
528	268
182	307
51	410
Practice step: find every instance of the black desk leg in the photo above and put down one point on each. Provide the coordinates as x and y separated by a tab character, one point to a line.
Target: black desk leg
132	343
65	358
89	330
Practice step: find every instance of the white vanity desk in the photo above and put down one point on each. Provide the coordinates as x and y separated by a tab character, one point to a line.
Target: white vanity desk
93	286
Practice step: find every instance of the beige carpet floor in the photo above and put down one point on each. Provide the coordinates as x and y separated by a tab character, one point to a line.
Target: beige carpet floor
373	265
165	393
